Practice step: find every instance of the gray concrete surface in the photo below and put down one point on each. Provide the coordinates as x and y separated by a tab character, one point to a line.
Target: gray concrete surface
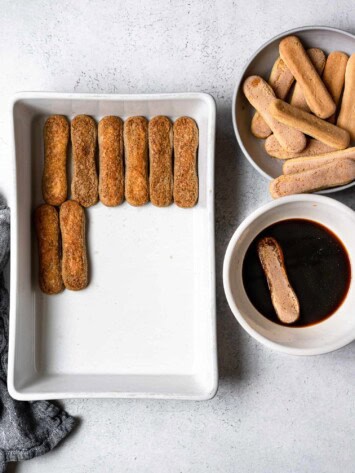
273	413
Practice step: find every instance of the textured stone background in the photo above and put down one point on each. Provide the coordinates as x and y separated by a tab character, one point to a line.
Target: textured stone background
273	413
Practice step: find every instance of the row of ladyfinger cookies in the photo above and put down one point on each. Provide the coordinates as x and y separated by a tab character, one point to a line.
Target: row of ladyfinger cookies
318	163
135	161
61	236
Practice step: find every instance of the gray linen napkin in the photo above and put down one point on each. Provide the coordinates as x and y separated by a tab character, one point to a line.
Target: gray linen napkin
27	429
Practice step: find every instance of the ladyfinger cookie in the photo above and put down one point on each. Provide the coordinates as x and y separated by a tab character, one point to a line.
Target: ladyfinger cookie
314	147
261	95
309	124
317	58
84	185
280	81
283	296
111	177
334	76
74	262
48	238
346	118
160	133
313	88
311	162
136	159
54	179
259	127
185	162
333	174
281	78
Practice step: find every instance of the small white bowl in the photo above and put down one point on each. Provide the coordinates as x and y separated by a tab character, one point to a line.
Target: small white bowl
327	39
333	333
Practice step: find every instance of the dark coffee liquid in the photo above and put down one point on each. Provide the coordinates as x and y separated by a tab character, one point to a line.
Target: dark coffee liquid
317	265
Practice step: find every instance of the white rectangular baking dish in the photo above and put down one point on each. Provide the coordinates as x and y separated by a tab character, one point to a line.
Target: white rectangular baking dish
146	324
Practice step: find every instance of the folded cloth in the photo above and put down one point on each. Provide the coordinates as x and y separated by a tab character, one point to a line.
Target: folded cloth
27	429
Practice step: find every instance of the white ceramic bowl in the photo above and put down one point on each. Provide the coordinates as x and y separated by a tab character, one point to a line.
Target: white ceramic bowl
331	334
328	39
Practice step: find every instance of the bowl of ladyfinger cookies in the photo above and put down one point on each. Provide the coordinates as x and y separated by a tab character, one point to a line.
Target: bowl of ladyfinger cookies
294	114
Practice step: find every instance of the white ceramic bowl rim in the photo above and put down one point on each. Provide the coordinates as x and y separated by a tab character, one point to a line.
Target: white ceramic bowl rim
326	347
264	45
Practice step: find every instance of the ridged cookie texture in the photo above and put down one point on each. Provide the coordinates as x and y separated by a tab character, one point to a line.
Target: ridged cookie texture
84	186
185	162
160	132
49	252
74	262
136	160
54	179
111	176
